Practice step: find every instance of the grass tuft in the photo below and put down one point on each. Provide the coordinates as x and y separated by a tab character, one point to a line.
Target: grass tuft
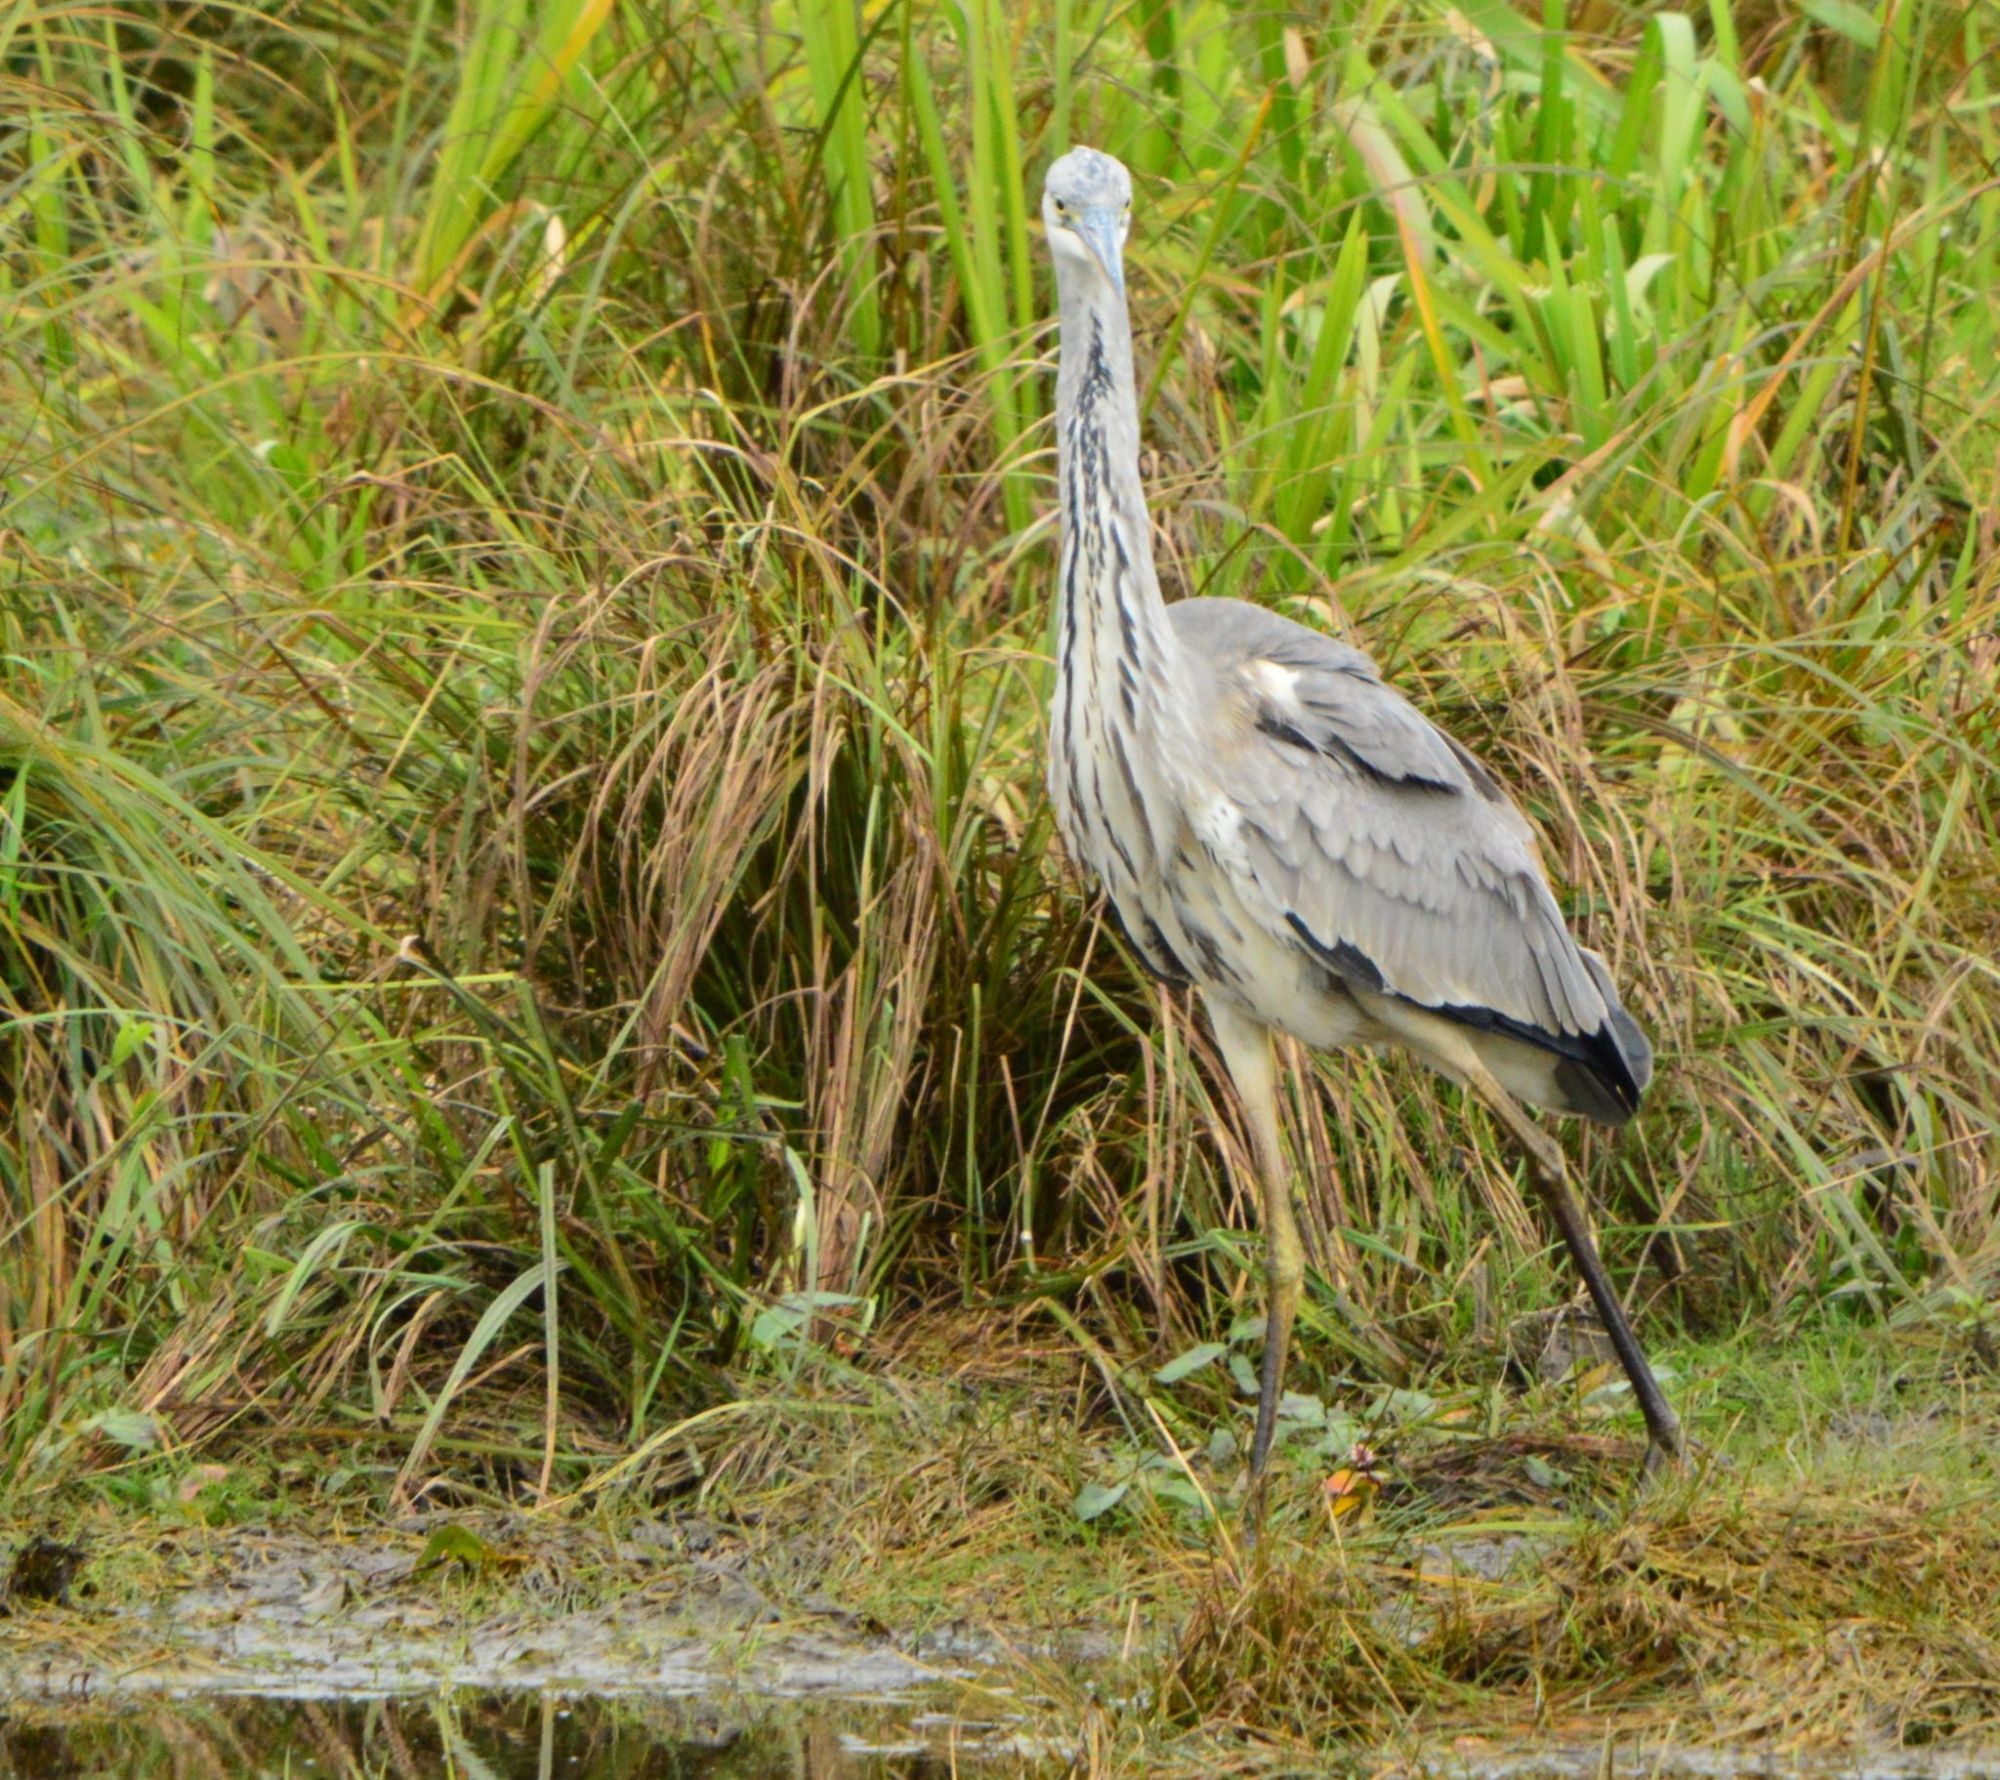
1810	1617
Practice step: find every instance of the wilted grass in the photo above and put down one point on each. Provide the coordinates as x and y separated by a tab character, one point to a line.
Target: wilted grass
525	894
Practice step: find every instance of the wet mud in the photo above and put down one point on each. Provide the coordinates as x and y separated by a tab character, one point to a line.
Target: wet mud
285	1615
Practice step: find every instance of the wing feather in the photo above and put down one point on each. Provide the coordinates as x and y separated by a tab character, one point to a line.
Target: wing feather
1365	835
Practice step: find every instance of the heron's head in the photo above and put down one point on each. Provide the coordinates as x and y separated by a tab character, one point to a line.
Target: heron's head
1087	206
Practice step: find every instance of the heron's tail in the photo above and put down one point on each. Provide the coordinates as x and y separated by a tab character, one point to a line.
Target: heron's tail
1599	1075
1633	1045
1608	1084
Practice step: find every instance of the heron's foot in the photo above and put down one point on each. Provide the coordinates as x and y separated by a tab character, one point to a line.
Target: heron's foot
1664	1459
1671	1454
1680	1457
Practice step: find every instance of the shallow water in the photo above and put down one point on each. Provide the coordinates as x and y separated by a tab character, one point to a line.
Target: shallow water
471	1735
500	1736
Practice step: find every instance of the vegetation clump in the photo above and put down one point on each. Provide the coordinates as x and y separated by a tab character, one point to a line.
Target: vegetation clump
1807	1617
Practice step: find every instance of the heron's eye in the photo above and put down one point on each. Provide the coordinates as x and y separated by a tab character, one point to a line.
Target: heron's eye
1062	209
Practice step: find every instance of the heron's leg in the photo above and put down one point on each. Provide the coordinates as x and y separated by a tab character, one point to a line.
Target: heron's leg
1666	1445
1246	1050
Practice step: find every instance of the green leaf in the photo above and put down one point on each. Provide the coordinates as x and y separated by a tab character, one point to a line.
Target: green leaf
1297	1406
133	1036
517	68
1405	1406
1096	1499
325	1249
1521	44
1844	19
1175	1487
1185	1365
129	1428
779	1325
490	1323
454	1545
1341	1432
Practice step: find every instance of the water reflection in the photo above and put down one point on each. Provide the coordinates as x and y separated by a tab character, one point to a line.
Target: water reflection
496	1737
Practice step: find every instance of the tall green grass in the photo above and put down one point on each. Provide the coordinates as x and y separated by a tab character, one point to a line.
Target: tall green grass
522	591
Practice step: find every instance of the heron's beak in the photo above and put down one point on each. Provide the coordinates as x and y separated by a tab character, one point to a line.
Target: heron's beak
1099	229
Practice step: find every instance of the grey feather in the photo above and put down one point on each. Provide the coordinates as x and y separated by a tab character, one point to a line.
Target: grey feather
1274	823
1371	840
1267	815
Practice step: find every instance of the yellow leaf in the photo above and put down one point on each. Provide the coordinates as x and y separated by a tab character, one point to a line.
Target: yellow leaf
1349	1491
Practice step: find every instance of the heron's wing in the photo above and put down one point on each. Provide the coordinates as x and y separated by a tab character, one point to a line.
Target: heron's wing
1355	828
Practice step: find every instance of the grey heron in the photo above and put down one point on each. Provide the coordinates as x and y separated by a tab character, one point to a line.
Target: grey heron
1277	827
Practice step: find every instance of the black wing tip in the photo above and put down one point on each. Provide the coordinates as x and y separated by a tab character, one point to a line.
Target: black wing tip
1600	1075
1601	1079
1634	1048
1615	1070
1591	1094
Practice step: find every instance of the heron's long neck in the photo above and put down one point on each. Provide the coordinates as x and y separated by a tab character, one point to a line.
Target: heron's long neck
1113	640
